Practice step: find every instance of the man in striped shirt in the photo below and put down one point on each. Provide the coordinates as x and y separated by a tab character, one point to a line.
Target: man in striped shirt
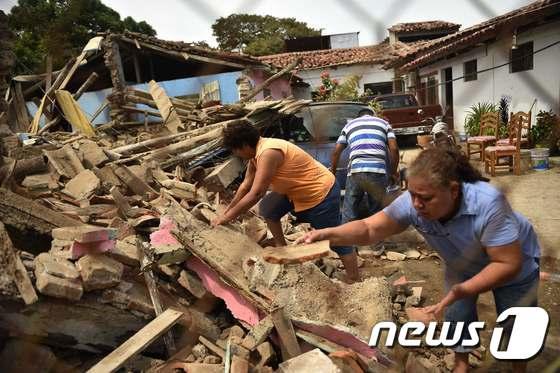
373	159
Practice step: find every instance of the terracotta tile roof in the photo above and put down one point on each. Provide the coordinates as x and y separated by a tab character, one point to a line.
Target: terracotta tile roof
437	48
424	26
375	54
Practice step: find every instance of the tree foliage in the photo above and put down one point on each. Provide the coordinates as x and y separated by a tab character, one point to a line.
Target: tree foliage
61	28
258	35
333	90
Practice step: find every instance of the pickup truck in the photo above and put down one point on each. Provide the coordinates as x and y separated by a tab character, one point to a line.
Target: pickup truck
402	111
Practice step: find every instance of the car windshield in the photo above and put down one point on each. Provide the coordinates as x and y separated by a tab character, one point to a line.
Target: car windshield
393	102
322	123
325	122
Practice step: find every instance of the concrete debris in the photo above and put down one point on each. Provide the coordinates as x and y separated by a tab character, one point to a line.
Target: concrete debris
99	272
83	185
393	255
58	287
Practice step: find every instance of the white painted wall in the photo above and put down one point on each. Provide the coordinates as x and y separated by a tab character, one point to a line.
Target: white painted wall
368	74
541	83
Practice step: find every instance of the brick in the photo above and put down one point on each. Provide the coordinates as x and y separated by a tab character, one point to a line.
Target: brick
55	286
57	266
84	233
39	182
309	362
258	334
192	284
99	272
83	185
92	154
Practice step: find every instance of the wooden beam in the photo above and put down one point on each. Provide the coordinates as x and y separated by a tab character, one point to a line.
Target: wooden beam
72	70
48	78
189	56
137	70
267	82
22	117
165	107
138	342
285	329
16	268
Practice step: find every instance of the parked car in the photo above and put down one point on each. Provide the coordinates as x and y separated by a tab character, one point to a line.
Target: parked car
404	113
316	128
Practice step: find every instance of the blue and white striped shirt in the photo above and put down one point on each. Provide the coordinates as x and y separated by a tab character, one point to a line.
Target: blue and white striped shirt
368	138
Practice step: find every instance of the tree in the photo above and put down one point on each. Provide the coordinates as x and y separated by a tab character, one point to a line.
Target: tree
61	28
258	35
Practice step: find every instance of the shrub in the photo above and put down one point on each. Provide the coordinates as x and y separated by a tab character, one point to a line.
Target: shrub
546	132
474	113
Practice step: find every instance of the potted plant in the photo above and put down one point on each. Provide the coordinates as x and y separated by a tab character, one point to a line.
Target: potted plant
546	132
474	113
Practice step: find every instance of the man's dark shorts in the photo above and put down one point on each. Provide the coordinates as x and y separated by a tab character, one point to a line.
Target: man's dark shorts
325	215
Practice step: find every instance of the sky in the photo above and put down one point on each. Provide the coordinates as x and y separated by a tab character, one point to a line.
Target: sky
191	20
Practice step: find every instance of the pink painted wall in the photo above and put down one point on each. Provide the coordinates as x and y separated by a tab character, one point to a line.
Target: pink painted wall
280	88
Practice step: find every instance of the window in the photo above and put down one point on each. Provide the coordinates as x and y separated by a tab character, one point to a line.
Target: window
522	57
469	70
381	88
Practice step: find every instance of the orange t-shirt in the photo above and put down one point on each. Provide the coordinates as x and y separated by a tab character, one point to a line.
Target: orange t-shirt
300	177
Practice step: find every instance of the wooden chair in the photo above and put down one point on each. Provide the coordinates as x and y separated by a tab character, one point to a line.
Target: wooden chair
511	152
477	144
525	129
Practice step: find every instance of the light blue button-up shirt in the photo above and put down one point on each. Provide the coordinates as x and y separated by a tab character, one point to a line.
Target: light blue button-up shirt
485	219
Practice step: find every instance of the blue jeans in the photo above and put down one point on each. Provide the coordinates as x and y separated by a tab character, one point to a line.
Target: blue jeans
521	294
359	185
326	214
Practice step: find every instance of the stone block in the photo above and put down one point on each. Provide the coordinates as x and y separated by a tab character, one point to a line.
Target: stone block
126	252
57	266
309	362
84	233
99	272
57	287
393	255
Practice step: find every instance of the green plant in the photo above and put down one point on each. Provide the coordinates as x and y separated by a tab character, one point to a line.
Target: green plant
503	108
376	107
474	113
546	132
333	90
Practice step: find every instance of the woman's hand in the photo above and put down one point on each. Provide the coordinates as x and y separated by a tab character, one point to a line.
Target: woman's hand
219	220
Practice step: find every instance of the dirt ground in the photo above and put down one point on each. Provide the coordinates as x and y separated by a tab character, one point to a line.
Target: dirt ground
535	195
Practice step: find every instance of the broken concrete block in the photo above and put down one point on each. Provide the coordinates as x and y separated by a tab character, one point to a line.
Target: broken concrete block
223	175
296	253
258	334
57	266
266	353
83	185
65	161
22	356
255	228
131	296
56	286
236	330
91	154
393	255
412	301
200	351
84	233
309	362
99	272
126	251
192	284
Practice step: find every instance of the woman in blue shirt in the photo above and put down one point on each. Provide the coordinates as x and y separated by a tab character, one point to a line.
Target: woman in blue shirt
484	244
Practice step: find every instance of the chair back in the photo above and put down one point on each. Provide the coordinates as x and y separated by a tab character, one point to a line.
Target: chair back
515	128
525	123
489	124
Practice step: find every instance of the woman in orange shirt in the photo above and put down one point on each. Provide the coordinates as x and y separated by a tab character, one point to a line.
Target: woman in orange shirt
298	184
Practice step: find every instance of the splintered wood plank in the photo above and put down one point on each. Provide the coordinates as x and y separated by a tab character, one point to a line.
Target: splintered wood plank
168	112
288	341
73	113
296	253
16	268
138	342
